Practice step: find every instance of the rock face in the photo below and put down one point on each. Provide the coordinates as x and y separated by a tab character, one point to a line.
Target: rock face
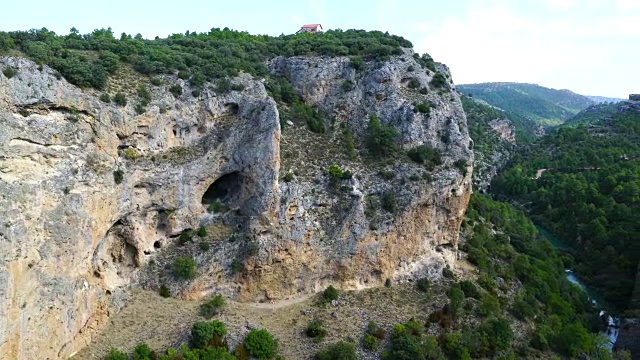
94	197
487	165
504	129
72	237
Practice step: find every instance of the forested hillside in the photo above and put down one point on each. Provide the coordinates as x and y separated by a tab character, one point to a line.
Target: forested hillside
540	105
583	185
593	114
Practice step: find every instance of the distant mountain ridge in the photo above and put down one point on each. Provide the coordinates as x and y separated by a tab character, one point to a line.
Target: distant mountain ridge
540	105
604	99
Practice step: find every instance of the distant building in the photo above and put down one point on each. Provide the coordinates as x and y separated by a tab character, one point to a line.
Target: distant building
634	97
310	28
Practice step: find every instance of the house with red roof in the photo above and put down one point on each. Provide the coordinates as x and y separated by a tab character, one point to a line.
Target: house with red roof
310	28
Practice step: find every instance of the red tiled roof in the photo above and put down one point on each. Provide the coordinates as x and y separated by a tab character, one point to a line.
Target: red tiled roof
308	26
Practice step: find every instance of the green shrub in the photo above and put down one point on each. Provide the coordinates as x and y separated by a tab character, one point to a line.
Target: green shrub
184	267
357	63
426	155
217	207
202	232
212	306
456	297
403	345
348	85
448	273
130	153
176	90
288	177
414	328
336	174
312	117
338	351
387	174
116	354
118	176
156	81
349	142
9	72
469	289
423	284
438	80
204	246
237	87
204	333
424	91
195	93
185	237
461	165
370	342
387	283
144	95
388	202
183	74
281	90
140	109
414	83
382	140
315	330
329	294
375	330
164	291
260	343
488	306
142	351
120	99
422	108
223	86
105	98
236	266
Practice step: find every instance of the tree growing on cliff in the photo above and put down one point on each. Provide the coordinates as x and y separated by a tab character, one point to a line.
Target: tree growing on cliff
382	139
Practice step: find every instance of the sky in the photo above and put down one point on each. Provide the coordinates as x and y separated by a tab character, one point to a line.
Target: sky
591	47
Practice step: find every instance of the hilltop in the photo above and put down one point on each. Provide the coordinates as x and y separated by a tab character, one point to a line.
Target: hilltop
537	104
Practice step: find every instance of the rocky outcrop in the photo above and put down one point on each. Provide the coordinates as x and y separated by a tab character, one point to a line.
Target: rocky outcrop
94	197
326	237
504	128
74	235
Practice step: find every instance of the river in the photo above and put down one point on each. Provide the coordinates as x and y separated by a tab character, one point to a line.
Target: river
598	301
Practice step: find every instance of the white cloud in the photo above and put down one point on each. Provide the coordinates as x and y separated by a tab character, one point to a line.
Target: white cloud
586	53
626	5
561	5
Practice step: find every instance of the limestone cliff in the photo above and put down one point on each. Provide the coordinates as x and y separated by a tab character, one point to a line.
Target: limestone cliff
94	197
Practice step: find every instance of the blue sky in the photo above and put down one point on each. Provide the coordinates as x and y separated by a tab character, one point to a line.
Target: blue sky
589	46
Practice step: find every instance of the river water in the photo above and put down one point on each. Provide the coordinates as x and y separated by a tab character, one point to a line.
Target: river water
598	301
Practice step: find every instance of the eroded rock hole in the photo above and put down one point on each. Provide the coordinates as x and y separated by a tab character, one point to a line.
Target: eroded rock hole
157	244
225	190
231	109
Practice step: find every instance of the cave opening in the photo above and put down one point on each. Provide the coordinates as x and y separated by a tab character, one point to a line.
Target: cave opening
225	190
231	109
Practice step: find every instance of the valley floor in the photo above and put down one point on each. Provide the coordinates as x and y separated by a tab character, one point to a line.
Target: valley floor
164	322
